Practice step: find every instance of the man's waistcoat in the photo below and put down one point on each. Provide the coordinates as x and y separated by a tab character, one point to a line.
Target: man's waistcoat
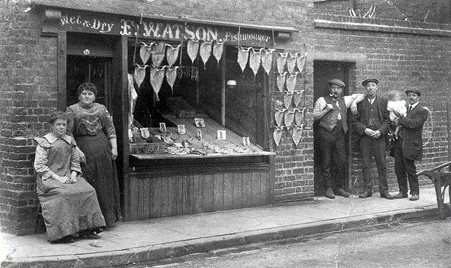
374	122
330	120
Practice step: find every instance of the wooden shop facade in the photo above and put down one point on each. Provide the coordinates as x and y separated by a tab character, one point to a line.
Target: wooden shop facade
192	102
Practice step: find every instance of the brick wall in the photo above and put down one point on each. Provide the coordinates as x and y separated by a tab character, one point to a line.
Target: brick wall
403	56
434	11
28	93
28	73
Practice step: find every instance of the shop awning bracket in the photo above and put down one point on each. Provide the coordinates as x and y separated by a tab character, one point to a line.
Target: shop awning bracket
51	23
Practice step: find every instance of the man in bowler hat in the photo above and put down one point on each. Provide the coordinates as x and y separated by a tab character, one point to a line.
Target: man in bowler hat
409	146
372	124
331	113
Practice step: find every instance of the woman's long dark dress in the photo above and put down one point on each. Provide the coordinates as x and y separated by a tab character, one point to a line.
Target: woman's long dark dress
92	128
66	208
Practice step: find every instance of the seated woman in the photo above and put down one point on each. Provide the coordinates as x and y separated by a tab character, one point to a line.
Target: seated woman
69	204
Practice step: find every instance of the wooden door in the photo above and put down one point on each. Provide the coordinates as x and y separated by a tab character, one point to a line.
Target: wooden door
323	72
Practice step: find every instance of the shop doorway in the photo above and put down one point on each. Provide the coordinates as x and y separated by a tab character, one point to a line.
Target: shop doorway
324	71
97	59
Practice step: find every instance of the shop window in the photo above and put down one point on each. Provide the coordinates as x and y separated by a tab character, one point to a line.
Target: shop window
197	93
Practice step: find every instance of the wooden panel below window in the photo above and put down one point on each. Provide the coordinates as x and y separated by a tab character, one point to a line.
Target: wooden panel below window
153	197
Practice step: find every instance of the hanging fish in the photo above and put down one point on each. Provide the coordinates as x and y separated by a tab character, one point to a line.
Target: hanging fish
298	116
145	51
156	79
278	104
291	82
291	63
296	134
255	57
133	96
289	118
139	74
243	56
132	92
287	97
281	81
267	59
218	48
278	116
277	135
205	51
157	59
192	47
172	53
297	97
171	76
300	61
281	62
158	54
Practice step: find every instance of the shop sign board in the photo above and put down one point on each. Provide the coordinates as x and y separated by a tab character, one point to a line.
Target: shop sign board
162	29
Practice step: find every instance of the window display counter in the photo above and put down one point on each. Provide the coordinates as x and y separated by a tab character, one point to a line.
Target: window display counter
197	172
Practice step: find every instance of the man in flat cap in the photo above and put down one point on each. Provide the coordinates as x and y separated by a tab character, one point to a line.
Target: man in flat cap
409	146
372	124
331	113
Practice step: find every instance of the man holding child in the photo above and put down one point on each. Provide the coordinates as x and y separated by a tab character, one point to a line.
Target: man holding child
409	145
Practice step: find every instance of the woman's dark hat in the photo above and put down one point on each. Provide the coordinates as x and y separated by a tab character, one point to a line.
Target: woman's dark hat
366	81
336	82
416	91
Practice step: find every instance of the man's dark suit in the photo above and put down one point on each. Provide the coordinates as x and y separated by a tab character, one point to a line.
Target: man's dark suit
361	121
409	147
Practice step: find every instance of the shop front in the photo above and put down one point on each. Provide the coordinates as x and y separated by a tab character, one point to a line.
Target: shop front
192	103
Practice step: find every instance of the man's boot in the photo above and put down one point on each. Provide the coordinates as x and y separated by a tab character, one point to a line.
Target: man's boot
330	193
340	191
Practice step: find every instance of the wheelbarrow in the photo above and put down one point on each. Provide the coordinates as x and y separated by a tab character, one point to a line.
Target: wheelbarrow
441	180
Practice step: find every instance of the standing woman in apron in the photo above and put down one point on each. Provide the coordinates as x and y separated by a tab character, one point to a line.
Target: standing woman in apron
93	129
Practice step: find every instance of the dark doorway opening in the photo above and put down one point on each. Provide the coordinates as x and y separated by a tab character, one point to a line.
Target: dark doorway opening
323	72
96	70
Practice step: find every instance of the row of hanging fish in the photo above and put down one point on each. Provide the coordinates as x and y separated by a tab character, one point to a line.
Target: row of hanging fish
255	58
157	76
289	117
188	72
293	97
264	57
291	61
295	131
204	49
286	80
172	73
158	51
